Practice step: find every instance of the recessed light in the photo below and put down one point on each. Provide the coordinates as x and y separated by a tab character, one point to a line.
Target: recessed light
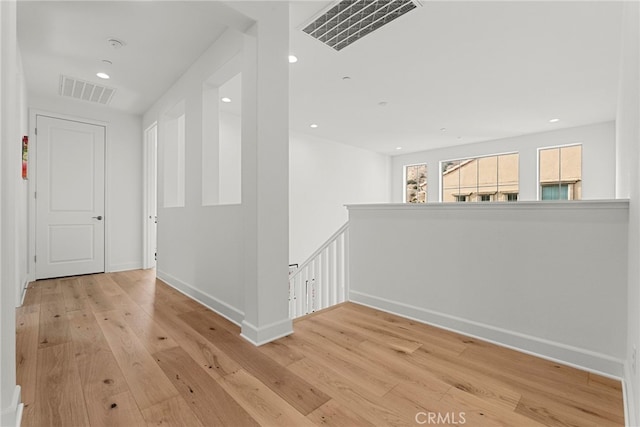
103	75
398	148
107	62
225	99
554	120
313	125
346	78
293	59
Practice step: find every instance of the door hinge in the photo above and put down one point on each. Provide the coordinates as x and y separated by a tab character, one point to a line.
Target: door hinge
35	258
35	194
36	131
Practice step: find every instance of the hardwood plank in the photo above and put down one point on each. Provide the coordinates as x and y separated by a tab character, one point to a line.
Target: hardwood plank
436	340
473	382
266	407
147	382
115	410
375	331
351	365
568	386
478	411
335	414
59	399
362	371
27	324
172	412
206	398
75	296
32	297
292	388
96	298
100	375
213	360
152	335
281	352
372	408
551	412
54	326
607	383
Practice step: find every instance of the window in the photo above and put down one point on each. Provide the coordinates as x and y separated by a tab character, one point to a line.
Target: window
490	178
511	197
415	184
560	172
555	192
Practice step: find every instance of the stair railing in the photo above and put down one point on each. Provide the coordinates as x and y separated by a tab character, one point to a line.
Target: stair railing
322	280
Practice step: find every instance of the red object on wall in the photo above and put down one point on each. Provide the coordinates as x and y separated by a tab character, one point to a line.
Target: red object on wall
25	155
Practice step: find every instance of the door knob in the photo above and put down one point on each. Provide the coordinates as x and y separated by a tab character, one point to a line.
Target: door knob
99	217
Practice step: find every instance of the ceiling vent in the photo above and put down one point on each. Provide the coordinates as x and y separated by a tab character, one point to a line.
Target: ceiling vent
350	20
86	91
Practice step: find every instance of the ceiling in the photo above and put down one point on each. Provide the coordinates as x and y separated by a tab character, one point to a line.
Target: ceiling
447	73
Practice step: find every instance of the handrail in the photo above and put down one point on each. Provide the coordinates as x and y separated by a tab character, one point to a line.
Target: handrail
322	247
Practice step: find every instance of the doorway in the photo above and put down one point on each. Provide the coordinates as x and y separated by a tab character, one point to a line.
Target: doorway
151	199
69	198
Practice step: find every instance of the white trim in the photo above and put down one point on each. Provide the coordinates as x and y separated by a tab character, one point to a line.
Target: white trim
580	358
628	397
124	267
521	205
267	333
147	157
33	155
24	292
225	310
12	415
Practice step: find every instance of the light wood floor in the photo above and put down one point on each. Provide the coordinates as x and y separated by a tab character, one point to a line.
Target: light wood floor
124	349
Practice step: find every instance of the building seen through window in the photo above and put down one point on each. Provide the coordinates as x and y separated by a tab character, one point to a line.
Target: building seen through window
561	173
416	184
481	179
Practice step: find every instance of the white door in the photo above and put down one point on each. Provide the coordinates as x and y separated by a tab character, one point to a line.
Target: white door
69	198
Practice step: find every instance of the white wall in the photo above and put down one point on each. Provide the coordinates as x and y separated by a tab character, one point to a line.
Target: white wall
598	160
323	177
124	216
538	276
199	247
628	185
12	220
233	258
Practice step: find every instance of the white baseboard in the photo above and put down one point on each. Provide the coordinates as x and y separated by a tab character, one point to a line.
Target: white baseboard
267	333
24	292
591	361
113	268
628	393
222	308
12	415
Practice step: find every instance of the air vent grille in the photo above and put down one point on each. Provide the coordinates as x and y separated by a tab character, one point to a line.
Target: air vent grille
350	20
86	91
